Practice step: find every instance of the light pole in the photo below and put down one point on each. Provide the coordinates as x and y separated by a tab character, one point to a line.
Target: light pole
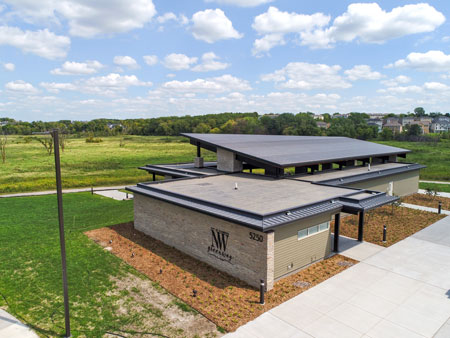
62	241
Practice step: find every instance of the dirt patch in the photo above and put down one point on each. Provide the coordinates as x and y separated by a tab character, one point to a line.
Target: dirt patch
427	201
159	310
223	299
400	223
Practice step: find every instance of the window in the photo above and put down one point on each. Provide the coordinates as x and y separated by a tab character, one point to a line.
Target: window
302	233
323	226
313	230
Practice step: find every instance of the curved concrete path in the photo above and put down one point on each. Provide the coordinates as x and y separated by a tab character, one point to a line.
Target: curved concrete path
11	327
399	292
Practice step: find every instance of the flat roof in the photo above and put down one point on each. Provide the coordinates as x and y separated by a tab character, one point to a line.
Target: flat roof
257	194
286	151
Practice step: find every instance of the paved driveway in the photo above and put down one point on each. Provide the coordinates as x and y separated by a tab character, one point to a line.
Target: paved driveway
401	291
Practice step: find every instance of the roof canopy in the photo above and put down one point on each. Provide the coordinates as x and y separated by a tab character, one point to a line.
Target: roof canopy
288	151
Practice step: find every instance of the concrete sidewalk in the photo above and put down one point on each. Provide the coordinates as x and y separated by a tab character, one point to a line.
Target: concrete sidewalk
65	191
402	291
436	182
10	327
438	193
421	207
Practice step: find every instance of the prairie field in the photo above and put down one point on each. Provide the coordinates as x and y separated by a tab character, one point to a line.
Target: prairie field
115	160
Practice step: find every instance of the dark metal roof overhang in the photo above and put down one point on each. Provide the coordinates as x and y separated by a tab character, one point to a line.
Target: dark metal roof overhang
370	175
163	171
266	222
195	139
353	206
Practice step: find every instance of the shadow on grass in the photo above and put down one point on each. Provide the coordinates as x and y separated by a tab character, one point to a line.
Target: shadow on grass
185	262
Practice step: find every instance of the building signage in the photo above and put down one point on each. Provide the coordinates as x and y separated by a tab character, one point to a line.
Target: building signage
218	247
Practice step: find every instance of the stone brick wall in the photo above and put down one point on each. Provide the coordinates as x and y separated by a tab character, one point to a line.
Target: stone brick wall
247	257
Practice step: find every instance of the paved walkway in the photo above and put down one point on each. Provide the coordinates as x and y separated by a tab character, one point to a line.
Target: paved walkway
438	193
399	292
421	207
437	182
115	194
10	327
65	191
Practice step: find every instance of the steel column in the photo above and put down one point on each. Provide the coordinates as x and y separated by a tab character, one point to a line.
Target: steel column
337	223
361	226
199	152
62	241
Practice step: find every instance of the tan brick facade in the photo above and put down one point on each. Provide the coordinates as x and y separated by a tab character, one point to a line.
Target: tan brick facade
248	254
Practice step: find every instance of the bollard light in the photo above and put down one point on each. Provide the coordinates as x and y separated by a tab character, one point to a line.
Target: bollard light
261	292
384	234
440	207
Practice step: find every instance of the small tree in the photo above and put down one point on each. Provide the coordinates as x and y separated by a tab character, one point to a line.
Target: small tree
3	142
47	142
62	141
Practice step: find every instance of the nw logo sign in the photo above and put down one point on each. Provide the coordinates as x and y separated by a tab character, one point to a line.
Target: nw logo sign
218	247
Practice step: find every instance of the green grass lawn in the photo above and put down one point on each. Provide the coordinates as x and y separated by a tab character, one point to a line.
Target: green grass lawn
435	187
30	267
436	156
29	168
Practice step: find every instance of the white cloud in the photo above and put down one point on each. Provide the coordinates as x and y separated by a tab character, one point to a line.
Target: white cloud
267	42
108	85
401	90
274	24
210	63
401	79
276	21
176	61
166	17
435	86
20	86
431	61
306	76
241	3
78	68
213	25
125	61
219	84
169	16
369	23
150	60
9	66
42	42
88	18
364	72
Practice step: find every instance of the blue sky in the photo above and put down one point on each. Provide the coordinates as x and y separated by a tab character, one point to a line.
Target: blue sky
82	59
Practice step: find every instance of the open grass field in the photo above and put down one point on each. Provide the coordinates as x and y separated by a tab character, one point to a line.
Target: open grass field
106	295
436	156
29	168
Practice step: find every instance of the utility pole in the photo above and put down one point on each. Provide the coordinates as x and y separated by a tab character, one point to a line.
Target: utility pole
62	241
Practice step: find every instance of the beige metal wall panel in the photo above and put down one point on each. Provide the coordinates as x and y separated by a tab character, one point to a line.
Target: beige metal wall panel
404	183
292	254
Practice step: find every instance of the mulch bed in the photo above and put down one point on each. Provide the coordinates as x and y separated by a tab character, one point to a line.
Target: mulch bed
225	300
400	222
427	201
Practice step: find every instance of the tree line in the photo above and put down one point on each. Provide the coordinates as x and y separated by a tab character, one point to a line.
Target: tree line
353	125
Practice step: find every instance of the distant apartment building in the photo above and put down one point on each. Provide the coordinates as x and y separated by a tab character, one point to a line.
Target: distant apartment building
376	122
423	122
440	124
323	125
393	124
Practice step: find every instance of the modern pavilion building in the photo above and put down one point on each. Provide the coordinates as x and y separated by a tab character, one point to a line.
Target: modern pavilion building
266	224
